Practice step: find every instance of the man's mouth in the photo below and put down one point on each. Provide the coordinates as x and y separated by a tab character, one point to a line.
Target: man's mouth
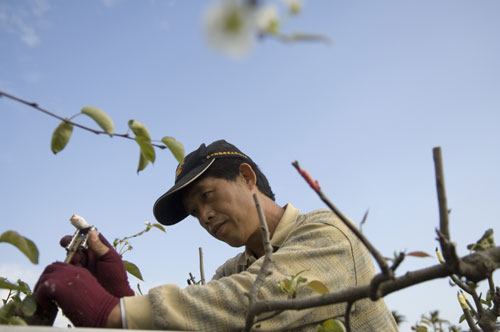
217	228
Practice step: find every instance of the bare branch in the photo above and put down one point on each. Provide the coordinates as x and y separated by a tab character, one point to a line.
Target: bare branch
202	269
363	221
398	261
274	314
470	291
470	321
264	269
444	237
347	318
386	271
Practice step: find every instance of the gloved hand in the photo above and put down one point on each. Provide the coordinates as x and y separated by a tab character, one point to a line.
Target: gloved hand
77	292
104	263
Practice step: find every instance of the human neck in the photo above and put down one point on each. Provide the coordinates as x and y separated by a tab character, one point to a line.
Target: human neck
273	213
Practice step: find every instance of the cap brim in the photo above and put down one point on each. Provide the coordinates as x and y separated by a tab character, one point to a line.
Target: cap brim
169	208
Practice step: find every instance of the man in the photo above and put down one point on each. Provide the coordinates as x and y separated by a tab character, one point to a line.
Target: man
216	184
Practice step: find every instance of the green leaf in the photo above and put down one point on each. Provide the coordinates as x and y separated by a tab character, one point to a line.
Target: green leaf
101	118
142	163
23	287
301	280
7	310
147	149
462	318
5	284
318	287
133	270
331	325
16	321
160	227
25	245
486	303
488	295
28	306
485	242
175	147
139	129
61	136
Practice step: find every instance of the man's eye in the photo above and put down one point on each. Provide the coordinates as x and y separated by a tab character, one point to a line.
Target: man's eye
207	194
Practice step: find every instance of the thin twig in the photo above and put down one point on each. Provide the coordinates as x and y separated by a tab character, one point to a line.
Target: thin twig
192	279
97	132
471	308
274	314
470	321
398	261
202	269
495	296
347	318
491	285
471	291
443	205
264	270
441	192
363	221
386	271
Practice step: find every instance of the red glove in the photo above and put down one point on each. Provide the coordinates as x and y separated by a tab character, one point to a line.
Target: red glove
108	268
77	292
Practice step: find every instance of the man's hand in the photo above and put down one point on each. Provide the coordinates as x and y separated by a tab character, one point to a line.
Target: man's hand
104	263
77	292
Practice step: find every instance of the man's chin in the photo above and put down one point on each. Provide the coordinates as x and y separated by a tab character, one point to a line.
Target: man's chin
233	243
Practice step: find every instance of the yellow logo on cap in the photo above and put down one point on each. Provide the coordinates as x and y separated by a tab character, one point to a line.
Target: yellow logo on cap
178	170
225	154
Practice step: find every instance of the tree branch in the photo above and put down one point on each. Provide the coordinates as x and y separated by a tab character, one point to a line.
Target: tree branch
264	269
387	273
470	291
447	247
202	269
473	269
470	321
347	318
97	132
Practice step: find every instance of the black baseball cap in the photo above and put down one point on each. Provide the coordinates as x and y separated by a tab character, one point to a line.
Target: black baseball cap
169	209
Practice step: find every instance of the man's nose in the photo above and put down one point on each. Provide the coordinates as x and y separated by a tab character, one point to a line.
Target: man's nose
206	216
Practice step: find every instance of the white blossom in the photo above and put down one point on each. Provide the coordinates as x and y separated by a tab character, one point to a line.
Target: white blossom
294	6
267	19
229	26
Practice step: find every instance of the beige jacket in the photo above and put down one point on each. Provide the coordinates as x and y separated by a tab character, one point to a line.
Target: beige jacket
317	243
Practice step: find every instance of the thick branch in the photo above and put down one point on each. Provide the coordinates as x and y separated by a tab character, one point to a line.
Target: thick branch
473	265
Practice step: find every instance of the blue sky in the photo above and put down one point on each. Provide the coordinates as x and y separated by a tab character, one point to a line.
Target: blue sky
361	115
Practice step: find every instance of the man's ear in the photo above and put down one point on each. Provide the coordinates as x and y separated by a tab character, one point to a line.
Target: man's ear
248	174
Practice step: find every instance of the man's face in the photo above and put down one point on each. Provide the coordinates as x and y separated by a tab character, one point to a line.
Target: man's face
224	208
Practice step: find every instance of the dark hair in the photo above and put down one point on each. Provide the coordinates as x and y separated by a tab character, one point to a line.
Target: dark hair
229	168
